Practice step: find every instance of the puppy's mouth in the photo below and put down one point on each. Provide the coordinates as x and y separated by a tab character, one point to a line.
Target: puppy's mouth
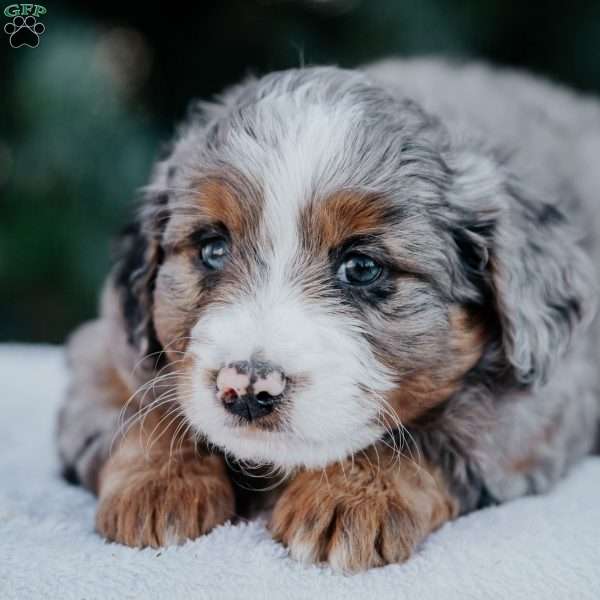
300	423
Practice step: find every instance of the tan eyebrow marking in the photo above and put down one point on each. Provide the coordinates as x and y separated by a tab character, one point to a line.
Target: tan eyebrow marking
225	199
329	222
239	210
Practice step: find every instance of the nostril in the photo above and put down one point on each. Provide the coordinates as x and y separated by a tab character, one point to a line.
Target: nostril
229	395
264	398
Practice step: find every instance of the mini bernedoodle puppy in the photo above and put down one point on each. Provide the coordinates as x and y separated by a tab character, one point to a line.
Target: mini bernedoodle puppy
371	292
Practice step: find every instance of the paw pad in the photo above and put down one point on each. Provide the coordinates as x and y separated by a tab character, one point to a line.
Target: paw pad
24	31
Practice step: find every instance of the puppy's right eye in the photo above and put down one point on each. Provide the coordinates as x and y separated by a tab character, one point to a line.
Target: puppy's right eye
214	253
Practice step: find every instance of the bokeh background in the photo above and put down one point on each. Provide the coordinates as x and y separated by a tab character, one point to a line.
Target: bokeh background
83	115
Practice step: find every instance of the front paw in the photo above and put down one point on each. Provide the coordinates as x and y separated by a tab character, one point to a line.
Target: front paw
358	519
152	509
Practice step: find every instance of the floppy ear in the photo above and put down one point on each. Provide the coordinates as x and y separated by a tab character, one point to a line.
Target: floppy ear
528	257
139	256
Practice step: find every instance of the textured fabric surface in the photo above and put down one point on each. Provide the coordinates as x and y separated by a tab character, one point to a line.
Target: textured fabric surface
543	547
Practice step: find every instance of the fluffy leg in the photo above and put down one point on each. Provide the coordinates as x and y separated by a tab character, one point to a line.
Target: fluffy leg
363	512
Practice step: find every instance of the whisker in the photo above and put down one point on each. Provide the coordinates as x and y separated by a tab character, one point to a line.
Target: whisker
150	442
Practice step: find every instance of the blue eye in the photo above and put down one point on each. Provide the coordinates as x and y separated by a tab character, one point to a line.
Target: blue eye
359	269
214	253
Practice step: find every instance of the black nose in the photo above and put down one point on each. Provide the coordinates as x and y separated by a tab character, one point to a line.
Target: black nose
250	406
250	389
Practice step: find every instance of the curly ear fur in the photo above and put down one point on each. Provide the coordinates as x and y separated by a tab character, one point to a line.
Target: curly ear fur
522	250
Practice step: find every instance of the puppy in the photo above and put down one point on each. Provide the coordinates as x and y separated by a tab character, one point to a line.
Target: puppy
376	286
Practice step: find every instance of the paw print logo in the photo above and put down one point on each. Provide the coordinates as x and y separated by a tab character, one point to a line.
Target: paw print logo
24	31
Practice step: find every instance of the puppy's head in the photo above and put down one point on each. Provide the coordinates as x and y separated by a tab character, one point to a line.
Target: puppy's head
319	262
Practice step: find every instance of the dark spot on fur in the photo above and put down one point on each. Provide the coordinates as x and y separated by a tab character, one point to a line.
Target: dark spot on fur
262	369
132	268
486	498
69	474
550	215
241	367
472	246
134	249
204	233
89	440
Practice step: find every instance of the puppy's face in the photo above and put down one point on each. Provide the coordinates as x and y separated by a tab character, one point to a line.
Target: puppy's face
305	290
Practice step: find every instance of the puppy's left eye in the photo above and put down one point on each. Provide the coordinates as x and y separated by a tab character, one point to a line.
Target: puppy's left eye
214	253
359	269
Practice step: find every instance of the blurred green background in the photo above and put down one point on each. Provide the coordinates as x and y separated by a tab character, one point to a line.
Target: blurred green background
83	115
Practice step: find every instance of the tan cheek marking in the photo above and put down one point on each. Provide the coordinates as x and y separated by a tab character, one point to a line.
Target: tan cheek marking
428	388
177	300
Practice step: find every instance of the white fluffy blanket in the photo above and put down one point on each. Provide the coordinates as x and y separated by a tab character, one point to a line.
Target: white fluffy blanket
543	547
